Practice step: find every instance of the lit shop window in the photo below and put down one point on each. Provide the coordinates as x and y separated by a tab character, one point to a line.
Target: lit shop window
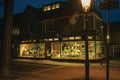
76	50
73	50
36	50
55	50
98	48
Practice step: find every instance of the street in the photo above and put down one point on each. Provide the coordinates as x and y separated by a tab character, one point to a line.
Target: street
23	71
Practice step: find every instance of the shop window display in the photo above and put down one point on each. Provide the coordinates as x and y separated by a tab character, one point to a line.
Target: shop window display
91	49
62	50
55	50
35	50
72	50
98	49
76	50
48	49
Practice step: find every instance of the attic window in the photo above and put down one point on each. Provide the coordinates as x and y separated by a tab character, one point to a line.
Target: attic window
51	7
47	8
57	5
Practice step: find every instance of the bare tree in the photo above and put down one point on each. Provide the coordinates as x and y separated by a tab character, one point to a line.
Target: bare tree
6	51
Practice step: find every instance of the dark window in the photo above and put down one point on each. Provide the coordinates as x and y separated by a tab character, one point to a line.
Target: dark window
97	25
90	23
78	23
49	27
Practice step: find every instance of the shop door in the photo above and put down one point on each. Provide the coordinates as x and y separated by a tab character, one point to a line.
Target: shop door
48	51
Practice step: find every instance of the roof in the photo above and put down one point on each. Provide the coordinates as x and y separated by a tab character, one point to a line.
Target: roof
67	8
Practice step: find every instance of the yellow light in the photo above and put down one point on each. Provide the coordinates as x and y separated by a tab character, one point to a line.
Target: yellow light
57	5
90	37
86	4
108	37
48	8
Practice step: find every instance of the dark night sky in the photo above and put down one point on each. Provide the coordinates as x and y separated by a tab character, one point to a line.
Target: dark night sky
20	6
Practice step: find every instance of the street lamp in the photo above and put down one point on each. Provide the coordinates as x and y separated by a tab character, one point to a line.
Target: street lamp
86	6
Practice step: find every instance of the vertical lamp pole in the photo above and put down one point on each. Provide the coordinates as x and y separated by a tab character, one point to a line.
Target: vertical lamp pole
107	44
86	6
108	5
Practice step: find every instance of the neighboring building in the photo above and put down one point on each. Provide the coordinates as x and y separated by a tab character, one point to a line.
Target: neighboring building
115	40
57	31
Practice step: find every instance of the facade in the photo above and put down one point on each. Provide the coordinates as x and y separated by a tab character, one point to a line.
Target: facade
57	31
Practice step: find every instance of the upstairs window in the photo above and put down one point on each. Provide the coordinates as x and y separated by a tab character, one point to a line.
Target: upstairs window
78	23
90	23
51	7
98	24
15	31
47	8
57	5
49	26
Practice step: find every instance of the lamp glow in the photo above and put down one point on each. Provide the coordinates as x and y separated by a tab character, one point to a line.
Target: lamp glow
86	4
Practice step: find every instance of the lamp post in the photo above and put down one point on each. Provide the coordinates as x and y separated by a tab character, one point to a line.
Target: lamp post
108	5
86	6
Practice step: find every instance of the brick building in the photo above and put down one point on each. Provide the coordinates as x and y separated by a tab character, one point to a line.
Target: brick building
57	31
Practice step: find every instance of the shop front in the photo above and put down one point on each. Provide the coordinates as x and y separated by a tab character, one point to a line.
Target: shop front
61	50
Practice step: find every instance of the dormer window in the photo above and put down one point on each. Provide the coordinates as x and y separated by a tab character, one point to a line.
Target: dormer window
47	8
57	5
51	7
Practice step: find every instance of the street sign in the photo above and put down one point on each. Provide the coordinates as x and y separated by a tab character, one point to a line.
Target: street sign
105	5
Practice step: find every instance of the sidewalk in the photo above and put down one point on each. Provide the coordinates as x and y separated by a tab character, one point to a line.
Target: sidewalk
52	62
62	63
47	62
